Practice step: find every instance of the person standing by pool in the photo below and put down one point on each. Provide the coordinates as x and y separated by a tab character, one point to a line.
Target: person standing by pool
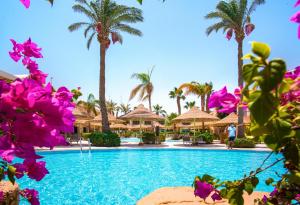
231	135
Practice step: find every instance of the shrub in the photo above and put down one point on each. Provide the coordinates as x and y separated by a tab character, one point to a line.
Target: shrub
148	138
207	137
162	137
244	143
86	135
105	139
128	134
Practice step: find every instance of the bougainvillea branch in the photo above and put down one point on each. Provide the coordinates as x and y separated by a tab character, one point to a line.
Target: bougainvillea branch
32	115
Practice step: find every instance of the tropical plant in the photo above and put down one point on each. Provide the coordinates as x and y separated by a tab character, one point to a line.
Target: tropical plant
189	105
107	20
145	88
111	107
273	97
170	117
208	88
90	105
124	108
195	88
234	17
178	95
158	109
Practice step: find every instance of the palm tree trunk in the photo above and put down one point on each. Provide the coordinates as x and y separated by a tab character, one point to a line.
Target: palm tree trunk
241	130
150	106
178	106
207	101
105	123
202	102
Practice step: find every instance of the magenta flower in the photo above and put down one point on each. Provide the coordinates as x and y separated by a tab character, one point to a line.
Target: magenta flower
296	19
203	189
265	199
31	195
297	197
35	170
2	197
216	196
229	34
297	3
26	3
31	49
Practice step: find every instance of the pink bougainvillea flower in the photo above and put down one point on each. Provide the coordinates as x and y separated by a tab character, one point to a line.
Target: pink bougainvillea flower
31	195
297	3
2	197
17	50
35	170
203	189
296	19
20	169
26	3
216	196
229	34
31	49
249	28
214	100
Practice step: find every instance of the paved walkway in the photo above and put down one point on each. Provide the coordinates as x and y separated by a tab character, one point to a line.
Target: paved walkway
166	145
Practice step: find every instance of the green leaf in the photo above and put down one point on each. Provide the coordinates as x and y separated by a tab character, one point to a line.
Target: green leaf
11	171
140	1
207	178
262	108
248	187
254	181
269	181
235	197
261	49
249	71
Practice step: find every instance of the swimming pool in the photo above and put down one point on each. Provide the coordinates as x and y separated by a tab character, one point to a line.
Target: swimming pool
137	140
116	177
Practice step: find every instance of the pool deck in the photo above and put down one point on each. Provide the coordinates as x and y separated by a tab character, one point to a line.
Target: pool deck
166	145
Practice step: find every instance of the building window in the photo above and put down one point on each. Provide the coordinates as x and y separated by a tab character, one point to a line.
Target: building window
148	123
135	122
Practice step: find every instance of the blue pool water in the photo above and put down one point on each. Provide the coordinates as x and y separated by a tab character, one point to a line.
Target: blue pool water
121	177
137	140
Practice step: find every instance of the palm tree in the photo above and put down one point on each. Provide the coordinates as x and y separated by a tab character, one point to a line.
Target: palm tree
90	105
195	88
189	105
107	20
178	94
145	88
158	109
208	90
170	117
234	17
111	107
125	108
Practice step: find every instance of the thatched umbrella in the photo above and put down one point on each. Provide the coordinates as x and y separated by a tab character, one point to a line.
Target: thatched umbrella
119	126
140	113
195	115
230	119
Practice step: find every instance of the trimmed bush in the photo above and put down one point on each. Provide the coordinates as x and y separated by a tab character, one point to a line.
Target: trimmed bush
86	135
105	139
162	137
128	134
207	137
242	143
148	138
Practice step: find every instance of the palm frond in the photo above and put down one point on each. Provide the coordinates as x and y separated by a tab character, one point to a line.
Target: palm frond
127	29
89	28
216	27
76	26
81	9
254	5
135	90
88	44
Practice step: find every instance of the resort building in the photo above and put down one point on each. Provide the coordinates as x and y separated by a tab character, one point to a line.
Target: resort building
10	77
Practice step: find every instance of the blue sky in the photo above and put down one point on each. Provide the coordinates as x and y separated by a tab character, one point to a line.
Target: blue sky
174	41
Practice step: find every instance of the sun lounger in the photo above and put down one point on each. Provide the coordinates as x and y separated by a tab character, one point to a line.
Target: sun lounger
186	140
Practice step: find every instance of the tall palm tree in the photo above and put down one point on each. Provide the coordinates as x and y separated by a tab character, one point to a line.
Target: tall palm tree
189	105
178	95
125	108
208	88
234	18
195	88
158	109
111	107
145	88
106	21
90	105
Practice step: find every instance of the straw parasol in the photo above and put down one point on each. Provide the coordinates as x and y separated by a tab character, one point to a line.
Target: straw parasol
195	115
118	126
140	113
230	119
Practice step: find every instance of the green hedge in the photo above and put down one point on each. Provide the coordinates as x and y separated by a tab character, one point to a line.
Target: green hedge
207	137
242	143
162	137
105	139
148	138
86	135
